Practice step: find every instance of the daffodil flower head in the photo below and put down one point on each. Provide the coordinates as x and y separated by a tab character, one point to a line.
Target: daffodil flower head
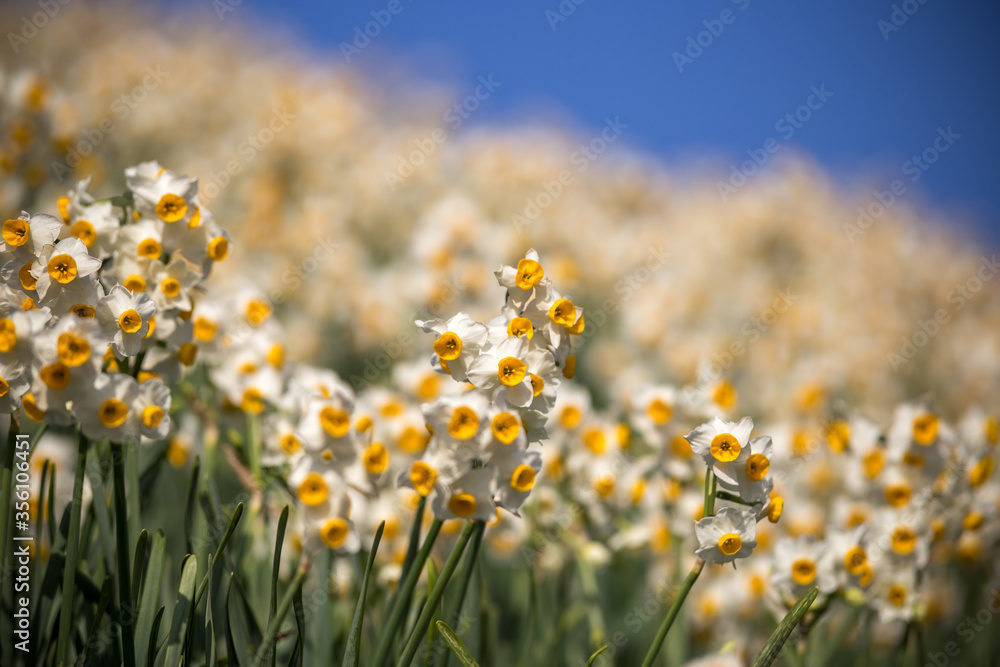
723	447
728	535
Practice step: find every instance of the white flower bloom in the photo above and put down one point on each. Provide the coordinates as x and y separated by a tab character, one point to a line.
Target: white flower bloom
162	194
14	382
503	374
152	406
108	410
730	534
802	563
26	235
125	316
64	265
171	284
468	497
723	446
460	340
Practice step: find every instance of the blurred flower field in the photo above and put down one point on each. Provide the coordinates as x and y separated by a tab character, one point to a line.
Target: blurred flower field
287	384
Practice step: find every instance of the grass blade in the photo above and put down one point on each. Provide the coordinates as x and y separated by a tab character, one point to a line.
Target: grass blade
72	556
173	657
773	646
279	540
353	654
149	600
458	648
267	648
596	653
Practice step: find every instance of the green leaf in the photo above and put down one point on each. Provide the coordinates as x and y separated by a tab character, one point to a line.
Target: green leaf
233	520
192	492
107	590
153	634
209	625
240	624
596	653
352	655
773	646
145	636
458	648
279	540
139	564
268	647
173	656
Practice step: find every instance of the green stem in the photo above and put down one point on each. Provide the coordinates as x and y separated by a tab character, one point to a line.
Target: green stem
137	364
254	446
122	538
661	634
72	549
398	606
468	566
430	607
710	490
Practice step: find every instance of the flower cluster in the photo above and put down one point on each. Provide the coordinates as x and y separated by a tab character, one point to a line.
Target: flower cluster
95	304
508	369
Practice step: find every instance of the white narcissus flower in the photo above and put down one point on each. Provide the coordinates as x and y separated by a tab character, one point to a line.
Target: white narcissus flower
468	497
801	563
171	284
109	409
520	281
327	525
730	534
723	446
752	481
153	407
460	340
162	194
141	240
502	373
96	225
14	382
124	317
25	236
62	266
517	472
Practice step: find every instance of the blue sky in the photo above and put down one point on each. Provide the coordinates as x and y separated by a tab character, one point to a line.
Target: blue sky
927	66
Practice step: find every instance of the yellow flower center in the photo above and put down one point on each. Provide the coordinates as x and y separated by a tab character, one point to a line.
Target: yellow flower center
170	287
152	415
991	429
972	521
257	312
529	272
604	486
569	369
659	411
730	544
176	453
803	571
505	427
72	350
523	478
520	326
171	208
112	413
62	268
392	408
594	440
313	490
680	447
16	232
578	327
757	467
838	436
83	311
8	334
334	532
724	395
134	284
511	371
925	429
334	421
904	540
376	458
186	354
896	595
977	476
537	384
28	281
276	355
195	219
413	440
448	346
31	407
289	443
62	203
464	423
150	248
204	329
218	248
570	416
725	447
55	376
898	494
252	401
83	230
130	321
873	462
563	312
427	389
855	560
462	504
4	387
422	476
775	508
